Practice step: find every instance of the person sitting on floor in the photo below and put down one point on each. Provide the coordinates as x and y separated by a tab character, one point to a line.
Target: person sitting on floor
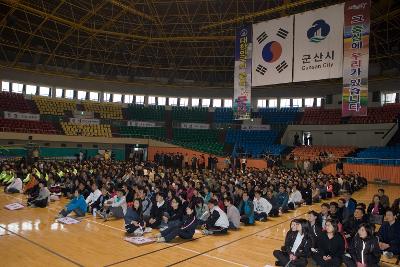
246	209
350	227
272	200
42	200
93	196
364	249
389	235
77	205
232	213
297	249
262	207
173	216
330	246
14	187
134	223
185	230
157	211
316	230
98	206
116	206
217	222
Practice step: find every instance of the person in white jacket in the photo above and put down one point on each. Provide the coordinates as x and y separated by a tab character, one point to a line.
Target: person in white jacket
295	198
217	222
262	207
92	198
14	187
115	206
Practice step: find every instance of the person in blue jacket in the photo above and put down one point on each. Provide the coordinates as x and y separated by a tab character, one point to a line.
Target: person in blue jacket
246	209
282	199
186	230
77	205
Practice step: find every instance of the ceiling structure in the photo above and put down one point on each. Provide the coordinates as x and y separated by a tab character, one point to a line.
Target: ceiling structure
171	40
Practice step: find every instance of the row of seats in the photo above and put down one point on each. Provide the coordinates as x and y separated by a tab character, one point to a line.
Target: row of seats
132	131
99	130
278	116
223	115
185	114
106	110
26	126
53	106
321	116
14	102
206	147
145	113
385	114
196	135
315	152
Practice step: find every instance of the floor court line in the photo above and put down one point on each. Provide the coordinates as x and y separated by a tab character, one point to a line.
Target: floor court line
43	247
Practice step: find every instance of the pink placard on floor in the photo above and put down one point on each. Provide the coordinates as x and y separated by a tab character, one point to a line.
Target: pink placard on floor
139	240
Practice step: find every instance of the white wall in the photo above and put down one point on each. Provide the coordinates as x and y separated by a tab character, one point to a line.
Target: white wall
359	135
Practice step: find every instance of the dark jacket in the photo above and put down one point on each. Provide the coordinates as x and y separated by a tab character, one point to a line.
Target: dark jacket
289	239
189	225
390	234
99	203
333	247
158	212
350	227
303	251
366	251
175	215
306	193
381	209
316	231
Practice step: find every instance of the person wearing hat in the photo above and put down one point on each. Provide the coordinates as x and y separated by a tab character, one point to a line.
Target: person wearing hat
42	200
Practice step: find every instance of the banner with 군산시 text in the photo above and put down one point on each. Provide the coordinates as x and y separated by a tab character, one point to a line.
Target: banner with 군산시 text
356	57
242	74
318	44
272	52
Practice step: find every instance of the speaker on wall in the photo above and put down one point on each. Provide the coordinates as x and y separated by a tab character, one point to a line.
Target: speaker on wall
376	96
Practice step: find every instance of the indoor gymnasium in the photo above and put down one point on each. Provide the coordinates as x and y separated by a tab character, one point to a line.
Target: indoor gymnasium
200	133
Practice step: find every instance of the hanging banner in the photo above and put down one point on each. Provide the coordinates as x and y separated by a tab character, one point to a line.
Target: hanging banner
356	58
192	125
272	52
84	121
242	75
21	116
145	124
318	43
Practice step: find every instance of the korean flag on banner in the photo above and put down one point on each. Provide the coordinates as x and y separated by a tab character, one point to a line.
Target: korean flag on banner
272	52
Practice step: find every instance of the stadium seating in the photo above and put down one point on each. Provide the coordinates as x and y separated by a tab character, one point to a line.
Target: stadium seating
14	102
255	143
202	140
185	114
100	130
386	114
53	106
378	155
321	116
314	152
25	126
223	115
279	116
145	113
131	131
106	110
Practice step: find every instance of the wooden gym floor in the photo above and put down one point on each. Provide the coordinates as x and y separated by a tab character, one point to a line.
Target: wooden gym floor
31	237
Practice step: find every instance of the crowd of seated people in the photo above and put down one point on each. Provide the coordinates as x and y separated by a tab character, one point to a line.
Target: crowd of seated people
148	196
344	232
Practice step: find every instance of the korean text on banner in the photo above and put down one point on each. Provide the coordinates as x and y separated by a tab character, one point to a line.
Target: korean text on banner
356	58
272	52
318	43
242	75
